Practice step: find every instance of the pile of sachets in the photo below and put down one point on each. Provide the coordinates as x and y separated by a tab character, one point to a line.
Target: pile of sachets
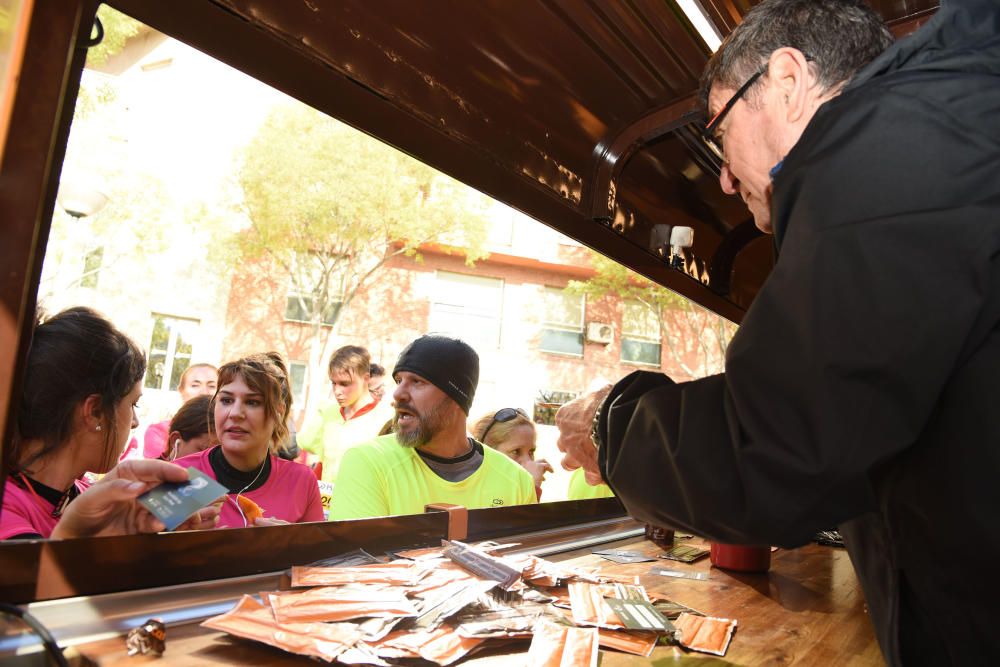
442	604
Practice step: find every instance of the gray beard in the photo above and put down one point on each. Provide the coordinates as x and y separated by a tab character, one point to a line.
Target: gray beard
428	426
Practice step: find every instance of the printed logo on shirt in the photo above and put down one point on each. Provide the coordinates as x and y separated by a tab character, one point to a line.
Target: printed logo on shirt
498	501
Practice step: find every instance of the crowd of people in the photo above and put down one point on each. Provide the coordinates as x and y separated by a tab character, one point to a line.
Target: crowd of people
74	469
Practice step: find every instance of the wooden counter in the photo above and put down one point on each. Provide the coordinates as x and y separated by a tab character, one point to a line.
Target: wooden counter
807	610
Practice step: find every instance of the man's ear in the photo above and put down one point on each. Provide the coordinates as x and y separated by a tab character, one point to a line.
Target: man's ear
794	83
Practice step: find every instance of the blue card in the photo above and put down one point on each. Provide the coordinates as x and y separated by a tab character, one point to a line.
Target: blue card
173	502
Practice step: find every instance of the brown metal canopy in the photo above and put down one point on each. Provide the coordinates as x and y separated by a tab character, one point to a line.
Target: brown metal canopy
579	113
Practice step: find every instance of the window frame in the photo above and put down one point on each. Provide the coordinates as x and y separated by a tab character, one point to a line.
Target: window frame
640	337
563	327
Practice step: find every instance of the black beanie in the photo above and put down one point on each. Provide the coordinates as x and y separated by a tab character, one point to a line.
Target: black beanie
449	364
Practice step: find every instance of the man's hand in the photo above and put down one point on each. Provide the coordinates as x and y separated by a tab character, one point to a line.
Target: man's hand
538	468
575	420
110	507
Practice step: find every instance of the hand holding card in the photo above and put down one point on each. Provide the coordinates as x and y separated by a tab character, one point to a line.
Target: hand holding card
110	506
172	503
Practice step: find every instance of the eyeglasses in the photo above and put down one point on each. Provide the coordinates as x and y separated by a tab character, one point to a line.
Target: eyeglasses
503	415
711	126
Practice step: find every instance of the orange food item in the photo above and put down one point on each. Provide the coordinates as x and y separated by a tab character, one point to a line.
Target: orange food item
250	509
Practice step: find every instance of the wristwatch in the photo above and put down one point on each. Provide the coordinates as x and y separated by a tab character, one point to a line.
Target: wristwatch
595	426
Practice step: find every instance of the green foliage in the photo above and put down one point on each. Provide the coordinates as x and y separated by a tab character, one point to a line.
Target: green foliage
695	339
313	186
612	278
118	28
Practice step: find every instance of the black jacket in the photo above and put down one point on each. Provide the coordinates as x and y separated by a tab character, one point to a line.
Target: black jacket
863	387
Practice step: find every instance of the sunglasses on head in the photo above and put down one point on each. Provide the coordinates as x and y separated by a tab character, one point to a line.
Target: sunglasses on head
503	415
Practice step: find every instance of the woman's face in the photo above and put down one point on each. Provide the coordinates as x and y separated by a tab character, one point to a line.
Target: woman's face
125	420
198	382
243	427
519	445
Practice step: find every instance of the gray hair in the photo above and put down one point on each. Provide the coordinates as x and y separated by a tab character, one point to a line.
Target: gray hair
838	36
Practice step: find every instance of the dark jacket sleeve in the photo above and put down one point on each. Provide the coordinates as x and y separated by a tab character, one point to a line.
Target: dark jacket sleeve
878	296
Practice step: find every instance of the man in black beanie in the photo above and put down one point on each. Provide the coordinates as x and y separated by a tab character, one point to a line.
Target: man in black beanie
429	457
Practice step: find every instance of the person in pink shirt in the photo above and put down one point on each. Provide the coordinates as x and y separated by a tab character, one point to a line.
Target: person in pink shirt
192	429
196	380
82	382
250	410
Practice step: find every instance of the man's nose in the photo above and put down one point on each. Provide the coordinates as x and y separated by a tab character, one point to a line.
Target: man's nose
399	391
727	179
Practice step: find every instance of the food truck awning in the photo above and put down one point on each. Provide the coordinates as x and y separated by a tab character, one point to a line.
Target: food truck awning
581	114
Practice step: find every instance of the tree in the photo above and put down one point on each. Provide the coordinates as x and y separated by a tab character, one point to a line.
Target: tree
696	339
330	206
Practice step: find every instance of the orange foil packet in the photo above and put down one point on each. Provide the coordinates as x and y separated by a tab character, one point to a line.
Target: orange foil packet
563	646
400	573
628	641
443	645
586	601
251	620
705	634
331	603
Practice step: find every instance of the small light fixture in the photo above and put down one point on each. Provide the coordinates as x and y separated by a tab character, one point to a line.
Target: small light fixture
699	19
81	196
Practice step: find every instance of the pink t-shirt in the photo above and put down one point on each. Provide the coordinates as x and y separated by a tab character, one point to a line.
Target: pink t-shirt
155	439
24	513
291	492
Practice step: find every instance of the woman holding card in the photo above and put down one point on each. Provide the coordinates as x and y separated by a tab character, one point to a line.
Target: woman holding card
81	386
250	409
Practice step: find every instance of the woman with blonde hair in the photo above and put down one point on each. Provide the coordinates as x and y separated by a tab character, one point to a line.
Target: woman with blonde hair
250	410
511	432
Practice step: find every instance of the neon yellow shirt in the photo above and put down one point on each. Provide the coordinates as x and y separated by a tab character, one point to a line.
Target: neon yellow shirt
383	478
580	490
329	436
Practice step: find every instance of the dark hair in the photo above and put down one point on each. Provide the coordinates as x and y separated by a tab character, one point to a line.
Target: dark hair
838	36
376	370
73	355
192	420
267	374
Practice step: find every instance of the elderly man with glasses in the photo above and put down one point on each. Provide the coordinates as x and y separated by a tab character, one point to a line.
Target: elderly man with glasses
429	457
860	388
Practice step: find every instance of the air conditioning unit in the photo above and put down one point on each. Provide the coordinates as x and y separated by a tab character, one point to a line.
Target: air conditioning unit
600	332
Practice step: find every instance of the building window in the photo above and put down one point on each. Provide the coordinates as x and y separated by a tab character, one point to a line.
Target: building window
169	351
640	334
92	267
548	403
314	282
468	307
297	374
562	328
